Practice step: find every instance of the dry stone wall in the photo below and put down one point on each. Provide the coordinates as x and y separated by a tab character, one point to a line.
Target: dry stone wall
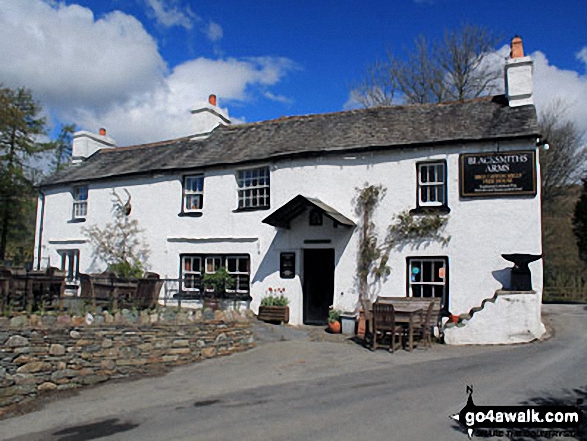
40	354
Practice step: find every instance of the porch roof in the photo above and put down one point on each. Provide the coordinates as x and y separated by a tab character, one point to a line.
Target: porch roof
283	215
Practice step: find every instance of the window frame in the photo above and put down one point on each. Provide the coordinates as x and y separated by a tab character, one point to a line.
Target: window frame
423	206
199	292
239	275
190	272
186	193
242	189
444	299
76	214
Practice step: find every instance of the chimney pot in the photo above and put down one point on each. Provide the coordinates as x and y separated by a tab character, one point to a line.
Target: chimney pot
212	99
517	48
102	131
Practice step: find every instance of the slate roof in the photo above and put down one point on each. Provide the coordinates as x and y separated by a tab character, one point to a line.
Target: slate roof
488	118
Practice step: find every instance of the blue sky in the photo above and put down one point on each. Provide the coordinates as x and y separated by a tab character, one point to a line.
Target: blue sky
136	67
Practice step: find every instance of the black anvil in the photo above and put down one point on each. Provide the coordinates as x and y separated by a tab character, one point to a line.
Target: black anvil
521	275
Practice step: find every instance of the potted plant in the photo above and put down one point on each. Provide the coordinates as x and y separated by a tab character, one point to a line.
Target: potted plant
334	321
215	286
274	309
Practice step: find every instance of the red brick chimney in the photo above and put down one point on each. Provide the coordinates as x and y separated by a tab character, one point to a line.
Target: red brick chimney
518	75
212	99
517	48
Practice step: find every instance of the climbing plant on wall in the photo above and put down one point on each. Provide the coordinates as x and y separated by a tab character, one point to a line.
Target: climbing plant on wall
405	229
370	258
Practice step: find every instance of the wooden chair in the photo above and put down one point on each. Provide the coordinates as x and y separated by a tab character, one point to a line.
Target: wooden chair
384	324
424	329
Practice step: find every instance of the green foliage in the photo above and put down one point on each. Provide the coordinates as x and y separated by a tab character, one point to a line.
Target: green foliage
127	269
219	281
275	301
415	229
569	286
580	222
334	315
62	147
407	229
20	127
370	259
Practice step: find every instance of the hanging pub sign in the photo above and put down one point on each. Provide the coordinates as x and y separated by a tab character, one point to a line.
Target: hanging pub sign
498	174
287	265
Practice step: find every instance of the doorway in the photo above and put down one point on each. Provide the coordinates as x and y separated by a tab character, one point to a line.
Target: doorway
318	285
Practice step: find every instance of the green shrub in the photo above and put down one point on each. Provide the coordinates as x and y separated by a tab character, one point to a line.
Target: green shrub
219	281
127	270
334	315
275	301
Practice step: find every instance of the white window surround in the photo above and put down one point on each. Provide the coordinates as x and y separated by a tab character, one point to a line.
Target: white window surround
193	193
240	269
253	188
192	273
194	266
428	277
431	184
80	202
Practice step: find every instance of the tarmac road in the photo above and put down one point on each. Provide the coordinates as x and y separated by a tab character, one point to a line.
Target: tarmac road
304	390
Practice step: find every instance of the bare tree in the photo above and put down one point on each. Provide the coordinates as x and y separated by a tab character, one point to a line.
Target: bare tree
454	68
564	162
120	244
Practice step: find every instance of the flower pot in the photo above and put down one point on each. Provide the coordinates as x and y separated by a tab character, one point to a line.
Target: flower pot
334	327
362	324
274	314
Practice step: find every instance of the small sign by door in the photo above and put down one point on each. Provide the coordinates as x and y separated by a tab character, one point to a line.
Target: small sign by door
287	265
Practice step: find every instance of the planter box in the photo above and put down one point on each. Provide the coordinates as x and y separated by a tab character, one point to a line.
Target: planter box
348	323
274	314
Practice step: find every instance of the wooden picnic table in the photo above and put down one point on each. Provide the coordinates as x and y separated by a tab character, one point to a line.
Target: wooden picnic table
407	315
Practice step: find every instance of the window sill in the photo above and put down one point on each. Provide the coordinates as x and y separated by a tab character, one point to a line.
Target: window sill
238	210
190	214
439	209
76	220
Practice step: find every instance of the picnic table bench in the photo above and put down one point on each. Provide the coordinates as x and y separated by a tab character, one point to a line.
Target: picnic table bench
417	314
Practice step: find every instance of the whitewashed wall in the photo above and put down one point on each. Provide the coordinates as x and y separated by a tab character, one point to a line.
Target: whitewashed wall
480	229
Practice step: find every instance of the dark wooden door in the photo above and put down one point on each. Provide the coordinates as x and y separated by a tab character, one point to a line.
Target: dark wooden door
318	285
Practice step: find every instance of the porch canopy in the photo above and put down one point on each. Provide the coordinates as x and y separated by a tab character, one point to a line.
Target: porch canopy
281	217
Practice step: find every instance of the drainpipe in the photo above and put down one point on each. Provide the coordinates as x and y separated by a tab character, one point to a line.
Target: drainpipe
40	235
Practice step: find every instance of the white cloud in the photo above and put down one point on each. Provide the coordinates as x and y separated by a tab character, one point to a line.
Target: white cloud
168	15
68	58
582	55
552	83
164	113
214	32
108	72
278	98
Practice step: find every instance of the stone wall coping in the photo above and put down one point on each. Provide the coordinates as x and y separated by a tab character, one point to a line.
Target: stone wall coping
503	292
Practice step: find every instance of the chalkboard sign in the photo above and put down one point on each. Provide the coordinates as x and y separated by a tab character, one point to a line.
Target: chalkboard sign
287	265
498	174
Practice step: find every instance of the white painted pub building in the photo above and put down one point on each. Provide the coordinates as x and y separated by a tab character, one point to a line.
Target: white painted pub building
273	203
